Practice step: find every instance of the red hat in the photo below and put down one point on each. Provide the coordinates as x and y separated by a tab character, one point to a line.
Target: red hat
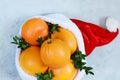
95	35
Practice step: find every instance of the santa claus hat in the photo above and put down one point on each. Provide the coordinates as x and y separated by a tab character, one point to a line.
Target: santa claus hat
95	35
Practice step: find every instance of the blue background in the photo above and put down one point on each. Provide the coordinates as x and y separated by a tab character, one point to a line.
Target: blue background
105	59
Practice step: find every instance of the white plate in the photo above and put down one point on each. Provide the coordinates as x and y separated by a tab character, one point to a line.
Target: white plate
63	21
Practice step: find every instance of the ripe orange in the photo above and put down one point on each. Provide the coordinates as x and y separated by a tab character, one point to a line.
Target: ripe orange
30	61
54	53
34	29
66	36
67	72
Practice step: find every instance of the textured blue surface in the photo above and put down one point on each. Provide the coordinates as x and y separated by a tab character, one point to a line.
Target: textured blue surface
105	59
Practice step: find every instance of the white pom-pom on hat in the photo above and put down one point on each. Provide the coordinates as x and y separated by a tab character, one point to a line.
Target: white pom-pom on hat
111	24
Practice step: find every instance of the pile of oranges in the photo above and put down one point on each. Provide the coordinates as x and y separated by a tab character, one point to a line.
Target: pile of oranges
54	54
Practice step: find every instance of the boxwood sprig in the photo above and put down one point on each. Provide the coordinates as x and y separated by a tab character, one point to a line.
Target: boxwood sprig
40	41
21	43
79	63
52	28
46	76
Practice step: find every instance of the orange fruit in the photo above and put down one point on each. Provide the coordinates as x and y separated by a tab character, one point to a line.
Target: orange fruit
66	36
54	53
30	61
34	29
67	72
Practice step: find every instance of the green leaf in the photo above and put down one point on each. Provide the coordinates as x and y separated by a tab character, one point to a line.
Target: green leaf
40	41
83	63
91	73
20	43
51	74
52	28
48	36
45	76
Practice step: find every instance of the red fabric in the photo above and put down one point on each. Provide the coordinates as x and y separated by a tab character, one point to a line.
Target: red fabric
94	35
